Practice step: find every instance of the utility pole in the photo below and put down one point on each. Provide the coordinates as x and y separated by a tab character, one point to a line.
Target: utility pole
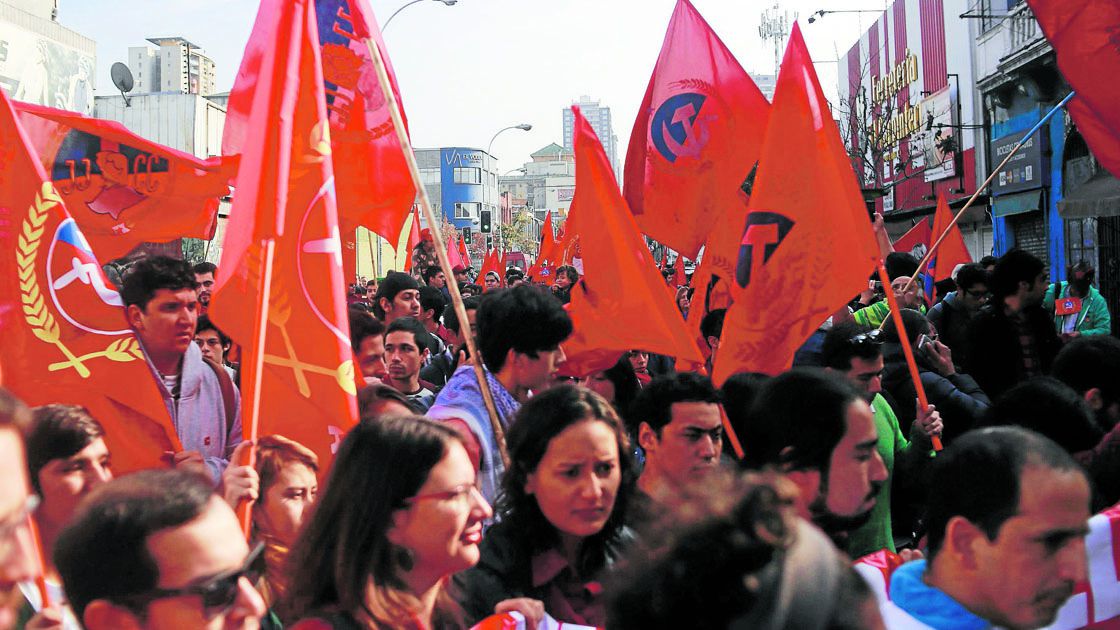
775	27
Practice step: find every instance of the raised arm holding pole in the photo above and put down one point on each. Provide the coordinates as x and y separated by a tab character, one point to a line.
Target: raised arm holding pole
433	225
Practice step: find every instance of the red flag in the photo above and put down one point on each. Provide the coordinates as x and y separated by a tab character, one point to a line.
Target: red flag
464	255
1086	38
413	240
454	258
490	264
545	253
63	324
679	278
307	389
917	235
124	190
505	265
952	251
374	187
807	246
697	135
621	302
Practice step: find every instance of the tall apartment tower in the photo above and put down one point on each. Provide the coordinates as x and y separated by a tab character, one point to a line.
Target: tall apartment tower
600	119
176	65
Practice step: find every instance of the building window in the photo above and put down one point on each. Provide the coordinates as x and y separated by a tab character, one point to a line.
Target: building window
467	210
468	176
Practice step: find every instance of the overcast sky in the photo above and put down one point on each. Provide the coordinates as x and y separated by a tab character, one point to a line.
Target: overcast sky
468	70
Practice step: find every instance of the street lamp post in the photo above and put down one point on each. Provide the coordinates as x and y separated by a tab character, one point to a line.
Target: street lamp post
816	15
522	127
408	4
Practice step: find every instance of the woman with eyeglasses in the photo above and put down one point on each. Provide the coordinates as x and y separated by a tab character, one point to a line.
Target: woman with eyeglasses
400	514
562	512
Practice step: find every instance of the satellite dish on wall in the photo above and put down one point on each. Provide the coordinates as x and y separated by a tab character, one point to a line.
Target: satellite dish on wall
122	78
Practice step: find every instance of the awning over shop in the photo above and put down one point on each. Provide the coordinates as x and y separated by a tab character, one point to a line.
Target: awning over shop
1018	203
1097	197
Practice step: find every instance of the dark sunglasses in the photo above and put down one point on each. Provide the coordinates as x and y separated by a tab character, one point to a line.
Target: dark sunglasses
217	593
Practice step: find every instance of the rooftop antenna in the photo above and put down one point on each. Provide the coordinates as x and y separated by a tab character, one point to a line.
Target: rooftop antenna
122	78
775	26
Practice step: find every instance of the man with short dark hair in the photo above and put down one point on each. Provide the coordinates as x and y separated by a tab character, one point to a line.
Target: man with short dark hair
158	549
1007	515
161	304
1012	338
367	340
397	296
442	366
680	431
18	557
953	314
856	352
818	430
519	335
514	277
213	343
204	274
404	353
462	274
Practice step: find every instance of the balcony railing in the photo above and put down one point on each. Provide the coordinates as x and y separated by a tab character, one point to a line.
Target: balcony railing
1024	28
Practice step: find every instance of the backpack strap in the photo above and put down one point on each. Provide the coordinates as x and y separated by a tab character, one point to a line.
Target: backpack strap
229	398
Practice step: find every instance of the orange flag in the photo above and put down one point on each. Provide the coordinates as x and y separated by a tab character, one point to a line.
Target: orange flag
490	264
679	277
917	235
374	186
952	250
125	190
621	302
545	253
807	246
464	254
286	181
454	258
63	327
413	240
696	137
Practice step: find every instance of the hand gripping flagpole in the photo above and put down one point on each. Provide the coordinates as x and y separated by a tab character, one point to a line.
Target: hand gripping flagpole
444	262
907	351
987	182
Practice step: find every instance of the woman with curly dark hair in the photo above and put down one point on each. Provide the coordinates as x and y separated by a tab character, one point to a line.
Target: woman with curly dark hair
562	512
401	513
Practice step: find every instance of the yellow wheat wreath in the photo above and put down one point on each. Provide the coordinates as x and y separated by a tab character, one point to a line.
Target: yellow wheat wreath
35	309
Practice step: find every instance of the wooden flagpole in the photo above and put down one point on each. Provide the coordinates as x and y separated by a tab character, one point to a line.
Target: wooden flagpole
437	237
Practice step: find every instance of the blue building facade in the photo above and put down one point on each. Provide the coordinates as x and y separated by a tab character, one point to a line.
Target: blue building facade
1028	217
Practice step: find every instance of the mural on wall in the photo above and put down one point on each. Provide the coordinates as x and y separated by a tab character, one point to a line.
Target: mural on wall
38	70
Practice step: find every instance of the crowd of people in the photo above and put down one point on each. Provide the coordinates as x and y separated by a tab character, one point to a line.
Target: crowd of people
611	499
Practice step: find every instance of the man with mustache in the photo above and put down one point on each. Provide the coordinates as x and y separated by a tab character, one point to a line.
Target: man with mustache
856	352
1008	512
817	429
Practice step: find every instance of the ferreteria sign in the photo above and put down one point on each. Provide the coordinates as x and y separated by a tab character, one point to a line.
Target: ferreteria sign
903	74
907	120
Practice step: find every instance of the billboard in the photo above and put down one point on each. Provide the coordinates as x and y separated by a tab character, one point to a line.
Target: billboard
938	142
40	70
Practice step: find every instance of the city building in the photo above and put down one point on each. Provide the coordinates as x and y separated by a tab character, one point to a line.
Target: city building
43	62
175	65
546	184
599	117
461	184
908	111
1052	198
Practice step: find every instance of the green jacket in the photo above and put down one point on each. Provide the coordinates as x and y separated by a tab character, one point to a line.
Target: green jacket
873	314
1093	319
876	534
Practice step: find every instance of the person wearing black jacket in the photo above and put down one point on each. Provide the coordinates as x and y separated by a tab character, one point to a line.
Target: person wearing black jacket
1012	338
957	396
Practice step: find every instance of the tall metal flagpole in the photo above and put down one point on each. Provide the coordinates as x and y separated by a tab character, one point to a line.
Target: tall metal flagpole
433	225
